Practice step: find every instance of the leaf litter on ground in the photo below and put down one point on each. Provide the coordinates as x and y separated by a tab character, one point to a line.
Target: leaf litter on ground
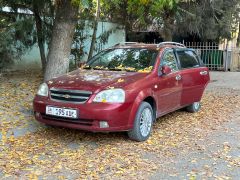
65	153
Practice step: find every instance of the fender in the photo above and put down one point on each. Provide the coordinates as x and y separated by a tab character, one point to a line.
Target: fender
140	97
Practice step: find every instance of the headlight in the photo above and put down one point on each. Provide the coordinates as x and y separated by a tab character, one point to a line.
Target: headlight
43	90
110	96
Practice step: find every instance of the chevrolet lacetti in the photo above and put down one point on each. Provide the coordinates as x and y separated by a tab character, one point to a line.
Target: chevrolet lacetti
124	88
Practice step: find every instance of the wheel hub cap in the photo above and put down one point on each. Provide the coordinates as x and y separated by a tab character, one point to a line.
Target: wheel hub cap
146	122
196	105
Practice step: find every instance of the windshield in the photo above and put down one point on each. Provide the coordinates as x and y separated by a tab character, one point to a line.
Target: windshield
131	59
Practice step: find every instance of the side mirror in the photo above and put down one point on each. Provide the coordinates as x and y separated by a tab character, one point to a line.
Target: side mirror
166	70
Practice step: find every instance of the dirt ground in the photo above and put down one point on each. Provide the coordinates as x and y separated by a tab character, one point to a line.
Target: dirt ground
205	145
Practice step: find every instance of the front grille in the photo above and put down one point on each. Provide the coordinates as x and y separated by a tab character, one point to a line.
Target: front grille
74	96
83	122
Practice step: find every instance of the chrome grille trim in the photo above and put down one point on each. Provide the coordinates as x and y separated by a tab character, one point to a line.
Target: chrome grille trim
62	95
71	96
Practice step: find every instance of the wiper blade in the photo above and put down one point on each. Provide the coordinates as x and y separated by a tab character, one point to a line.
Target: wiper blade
123	69
114	69
128	70
110	69
99	69
94	68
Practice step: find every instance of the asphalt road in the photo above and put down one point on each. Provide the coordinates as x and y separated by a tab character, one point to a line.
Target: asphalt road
229	80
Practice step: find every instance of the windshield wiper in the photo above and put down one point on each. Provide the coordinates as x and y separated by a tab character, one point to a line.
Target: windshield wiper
103	69
114	69
128	70
110	69
118	69
94	68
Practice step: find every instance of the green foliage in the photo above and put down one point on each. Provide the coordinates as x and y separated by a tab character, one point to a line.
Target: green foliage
206	19
138	14
211	20
21	35
17	36
86	16
81	4
6	53
203	18
81	34
162	4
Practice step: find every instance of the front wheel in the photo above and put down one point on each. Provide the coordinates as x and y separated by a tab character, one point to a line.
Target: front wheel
143	123
194	107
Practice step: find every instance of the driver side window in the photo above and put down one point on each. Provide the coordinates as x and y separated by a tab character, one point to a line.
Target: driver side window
169	60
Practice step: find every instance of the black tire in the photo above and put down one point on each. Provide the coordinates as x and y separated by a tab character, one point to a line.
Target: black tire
136	134
193	108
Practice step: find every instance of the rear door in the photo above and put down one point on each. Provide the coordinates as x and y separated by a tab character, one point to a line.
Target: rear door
194	76
170	85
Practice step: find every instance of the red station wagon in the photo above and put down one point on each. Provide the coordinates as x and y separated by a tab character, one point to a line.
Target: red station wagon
124	88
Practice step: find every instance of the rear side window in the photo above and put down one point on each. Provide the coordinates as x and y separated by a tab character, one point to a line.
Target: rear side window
188	59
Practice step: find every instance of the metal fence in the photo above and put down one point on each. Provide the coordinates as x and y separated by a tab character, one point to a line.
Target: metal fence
217	57
213	57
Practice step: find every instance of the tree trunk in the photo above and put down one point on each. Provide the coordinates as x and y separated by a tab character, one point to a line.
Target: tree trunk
167	35
40	37
168	29
94	36
238	39
61	41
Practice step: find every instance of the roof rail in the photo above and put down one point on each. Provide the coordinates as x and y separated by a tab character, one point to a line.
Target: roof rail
125	43
170	43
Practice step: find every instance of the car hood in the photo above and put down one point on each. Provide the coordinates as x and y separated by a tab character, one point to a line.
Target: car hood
94	80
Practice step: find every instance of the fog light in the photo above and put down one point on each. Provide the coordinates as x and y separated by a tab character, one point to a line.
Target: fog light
103	124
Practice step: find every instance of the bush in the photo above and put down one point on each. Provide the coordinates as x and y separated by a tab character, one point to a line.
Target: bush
16	37
6	50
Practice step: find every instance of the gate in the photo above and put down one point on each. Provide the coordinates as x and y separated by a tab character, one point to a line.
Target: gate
217	57
212	56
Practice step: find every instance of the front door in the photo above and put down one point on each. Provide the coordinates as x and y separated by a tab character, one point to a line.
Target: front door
170	85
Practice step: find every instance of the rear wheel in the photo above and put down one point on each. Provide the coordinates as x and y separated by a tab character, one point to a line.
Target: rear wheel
143	123
193	108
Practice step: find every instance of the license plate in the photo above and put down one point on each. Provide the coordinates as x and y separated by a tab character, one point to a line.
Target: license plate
61	112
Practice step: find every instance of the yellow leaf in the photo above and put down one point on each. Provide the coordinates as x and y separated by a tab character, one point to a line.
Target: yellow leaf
120	80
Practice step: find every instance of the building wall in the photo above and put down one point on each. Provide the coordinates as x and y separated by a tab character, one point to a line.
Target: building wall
31	60
117	35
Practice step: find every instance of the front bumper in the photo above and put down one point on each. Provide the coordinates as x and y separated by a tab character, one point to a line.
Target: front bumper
89	117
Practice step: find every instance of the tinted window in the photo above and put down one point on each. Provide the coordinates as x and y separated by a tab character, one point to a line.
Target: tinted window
124	58
169	60
188	59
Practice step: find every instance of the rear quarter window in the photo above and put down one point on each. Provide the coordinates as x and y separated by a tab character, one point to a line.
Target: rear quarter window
188	59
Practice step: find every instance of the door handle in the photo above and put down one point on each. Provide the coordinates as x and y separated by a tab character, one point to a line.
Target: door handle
178	77
203	73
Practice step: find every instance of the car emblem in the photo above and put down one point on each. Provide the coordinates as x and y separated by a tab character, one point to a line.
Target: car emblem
66	96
